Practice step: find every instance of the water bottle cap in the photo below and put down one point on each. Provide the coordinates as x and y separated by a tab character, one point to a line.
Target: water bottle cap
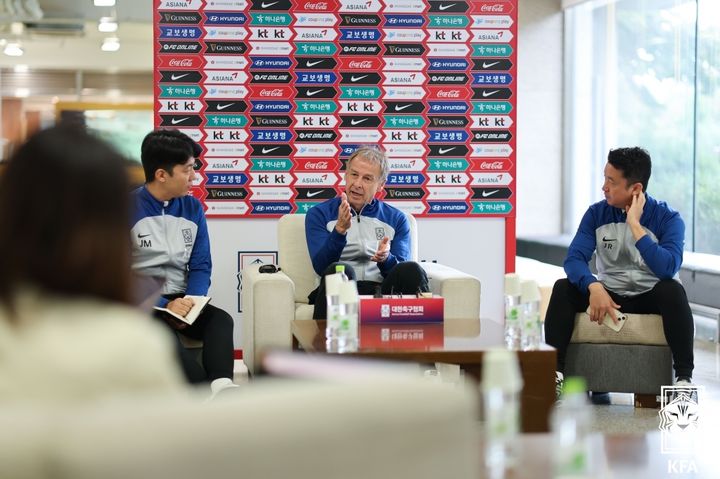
500	369
339	268
348	292
529	291
332	284
512	284
574	385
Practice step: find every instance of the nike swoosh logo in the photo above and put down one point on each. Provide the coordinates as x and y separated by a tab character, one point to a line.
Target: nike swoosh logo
175	121
357	122
488	65
222	107
611	239
485	194
313	63
401	108
268	150
267	5
354	78
445	7
177	77
143	236
314	92
486	94
314	193
442	151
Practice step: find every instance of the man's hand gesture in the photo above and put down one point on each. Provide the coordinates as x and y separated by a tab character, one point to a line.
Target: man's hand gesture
601	304
344	215
383	251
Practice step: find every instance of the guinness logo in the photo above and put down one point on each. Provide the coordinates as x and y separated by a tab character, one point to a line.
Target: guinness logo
225	48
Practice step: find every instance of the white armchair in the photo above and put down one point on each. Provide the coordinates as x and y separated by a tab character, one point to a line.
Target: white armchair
272	301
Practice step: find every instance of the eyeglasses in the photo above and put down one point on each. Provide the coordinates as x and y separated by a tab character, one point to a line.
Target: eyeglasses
269	268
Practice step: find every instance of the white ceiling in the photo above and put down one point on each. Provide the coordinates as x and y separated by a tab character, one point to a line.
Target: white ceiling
78	48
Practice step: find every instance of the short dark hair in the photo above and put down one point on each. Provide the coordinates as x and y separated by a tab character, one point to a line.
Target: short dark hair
64	218
163	149
634	162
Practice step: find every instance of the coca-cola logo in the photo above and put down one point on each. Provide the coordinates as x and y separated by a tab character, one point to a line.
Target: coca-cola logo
448	93
317	6
494	7
181	62
317	165
276	92
359	65
492	165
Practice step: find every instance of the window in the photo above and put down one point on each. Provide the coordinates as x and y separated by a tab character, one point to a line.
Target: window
646	73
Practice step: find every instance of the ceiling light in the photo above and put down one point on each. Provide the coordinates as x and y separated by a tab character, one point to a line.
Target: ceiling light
104	3
110	44
21	68
22	92
13	49
107	25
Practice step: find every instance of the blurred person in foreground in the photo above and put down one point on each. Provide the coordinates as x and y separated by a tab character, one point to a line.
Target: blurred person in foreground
67	328
170	237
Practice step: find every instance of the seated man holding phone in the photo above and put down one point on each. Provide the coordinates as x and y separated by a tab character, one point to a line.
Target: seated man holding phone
639	247
366	234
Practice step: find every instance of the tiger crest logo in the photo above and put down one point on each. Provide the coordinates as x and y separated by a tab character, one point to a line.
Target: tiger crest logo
681	412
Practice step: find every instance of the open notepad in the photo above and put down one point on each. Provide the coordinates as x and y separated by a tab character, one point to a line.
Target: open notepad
199	303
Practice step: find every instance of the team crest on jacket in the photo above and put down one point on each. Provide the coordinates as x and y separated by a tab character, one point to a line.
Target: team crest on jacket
379	233
187	235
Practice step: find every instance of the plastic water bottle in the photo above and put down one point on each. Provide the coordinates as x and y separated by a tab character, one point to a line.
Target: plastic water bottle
501	386
570	422
530	313
332	295
513	332
348	329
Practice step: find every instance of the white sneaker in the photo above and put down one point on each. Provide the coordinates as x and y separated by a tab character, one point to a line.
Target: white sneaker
220	384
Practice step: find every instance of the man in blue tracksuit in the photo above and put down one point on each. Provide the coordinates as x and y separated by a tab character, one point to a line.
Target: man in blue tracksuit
369	236
639	246
170	240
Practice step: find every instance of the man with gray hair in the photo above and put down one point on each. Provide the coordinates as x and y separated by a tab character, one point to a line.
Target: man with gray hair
370	237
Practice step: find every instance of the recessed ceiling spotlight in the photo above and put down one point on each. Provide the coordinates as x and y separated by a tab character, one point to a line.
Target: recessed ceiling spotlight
22	92
107	25
110	44
21	68
104	3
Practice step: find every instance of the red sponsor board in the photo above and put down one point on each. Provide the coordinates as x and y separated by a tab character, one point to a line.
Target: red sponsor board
423	95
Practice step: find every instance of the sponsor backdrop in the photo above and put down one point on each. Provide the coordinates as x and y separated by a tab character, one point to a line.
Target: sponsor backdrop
280	93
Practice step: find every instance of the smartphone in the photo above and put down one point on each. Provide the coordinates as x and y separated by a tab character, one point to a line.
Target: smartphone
608	321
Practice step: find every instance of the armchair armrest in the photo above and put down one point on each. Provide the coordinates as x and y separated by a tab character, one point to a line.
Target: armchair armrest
460	290
268	309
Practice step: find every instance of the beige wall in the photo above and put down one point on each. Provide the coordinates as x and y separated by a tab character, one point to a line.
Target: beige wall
539	117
